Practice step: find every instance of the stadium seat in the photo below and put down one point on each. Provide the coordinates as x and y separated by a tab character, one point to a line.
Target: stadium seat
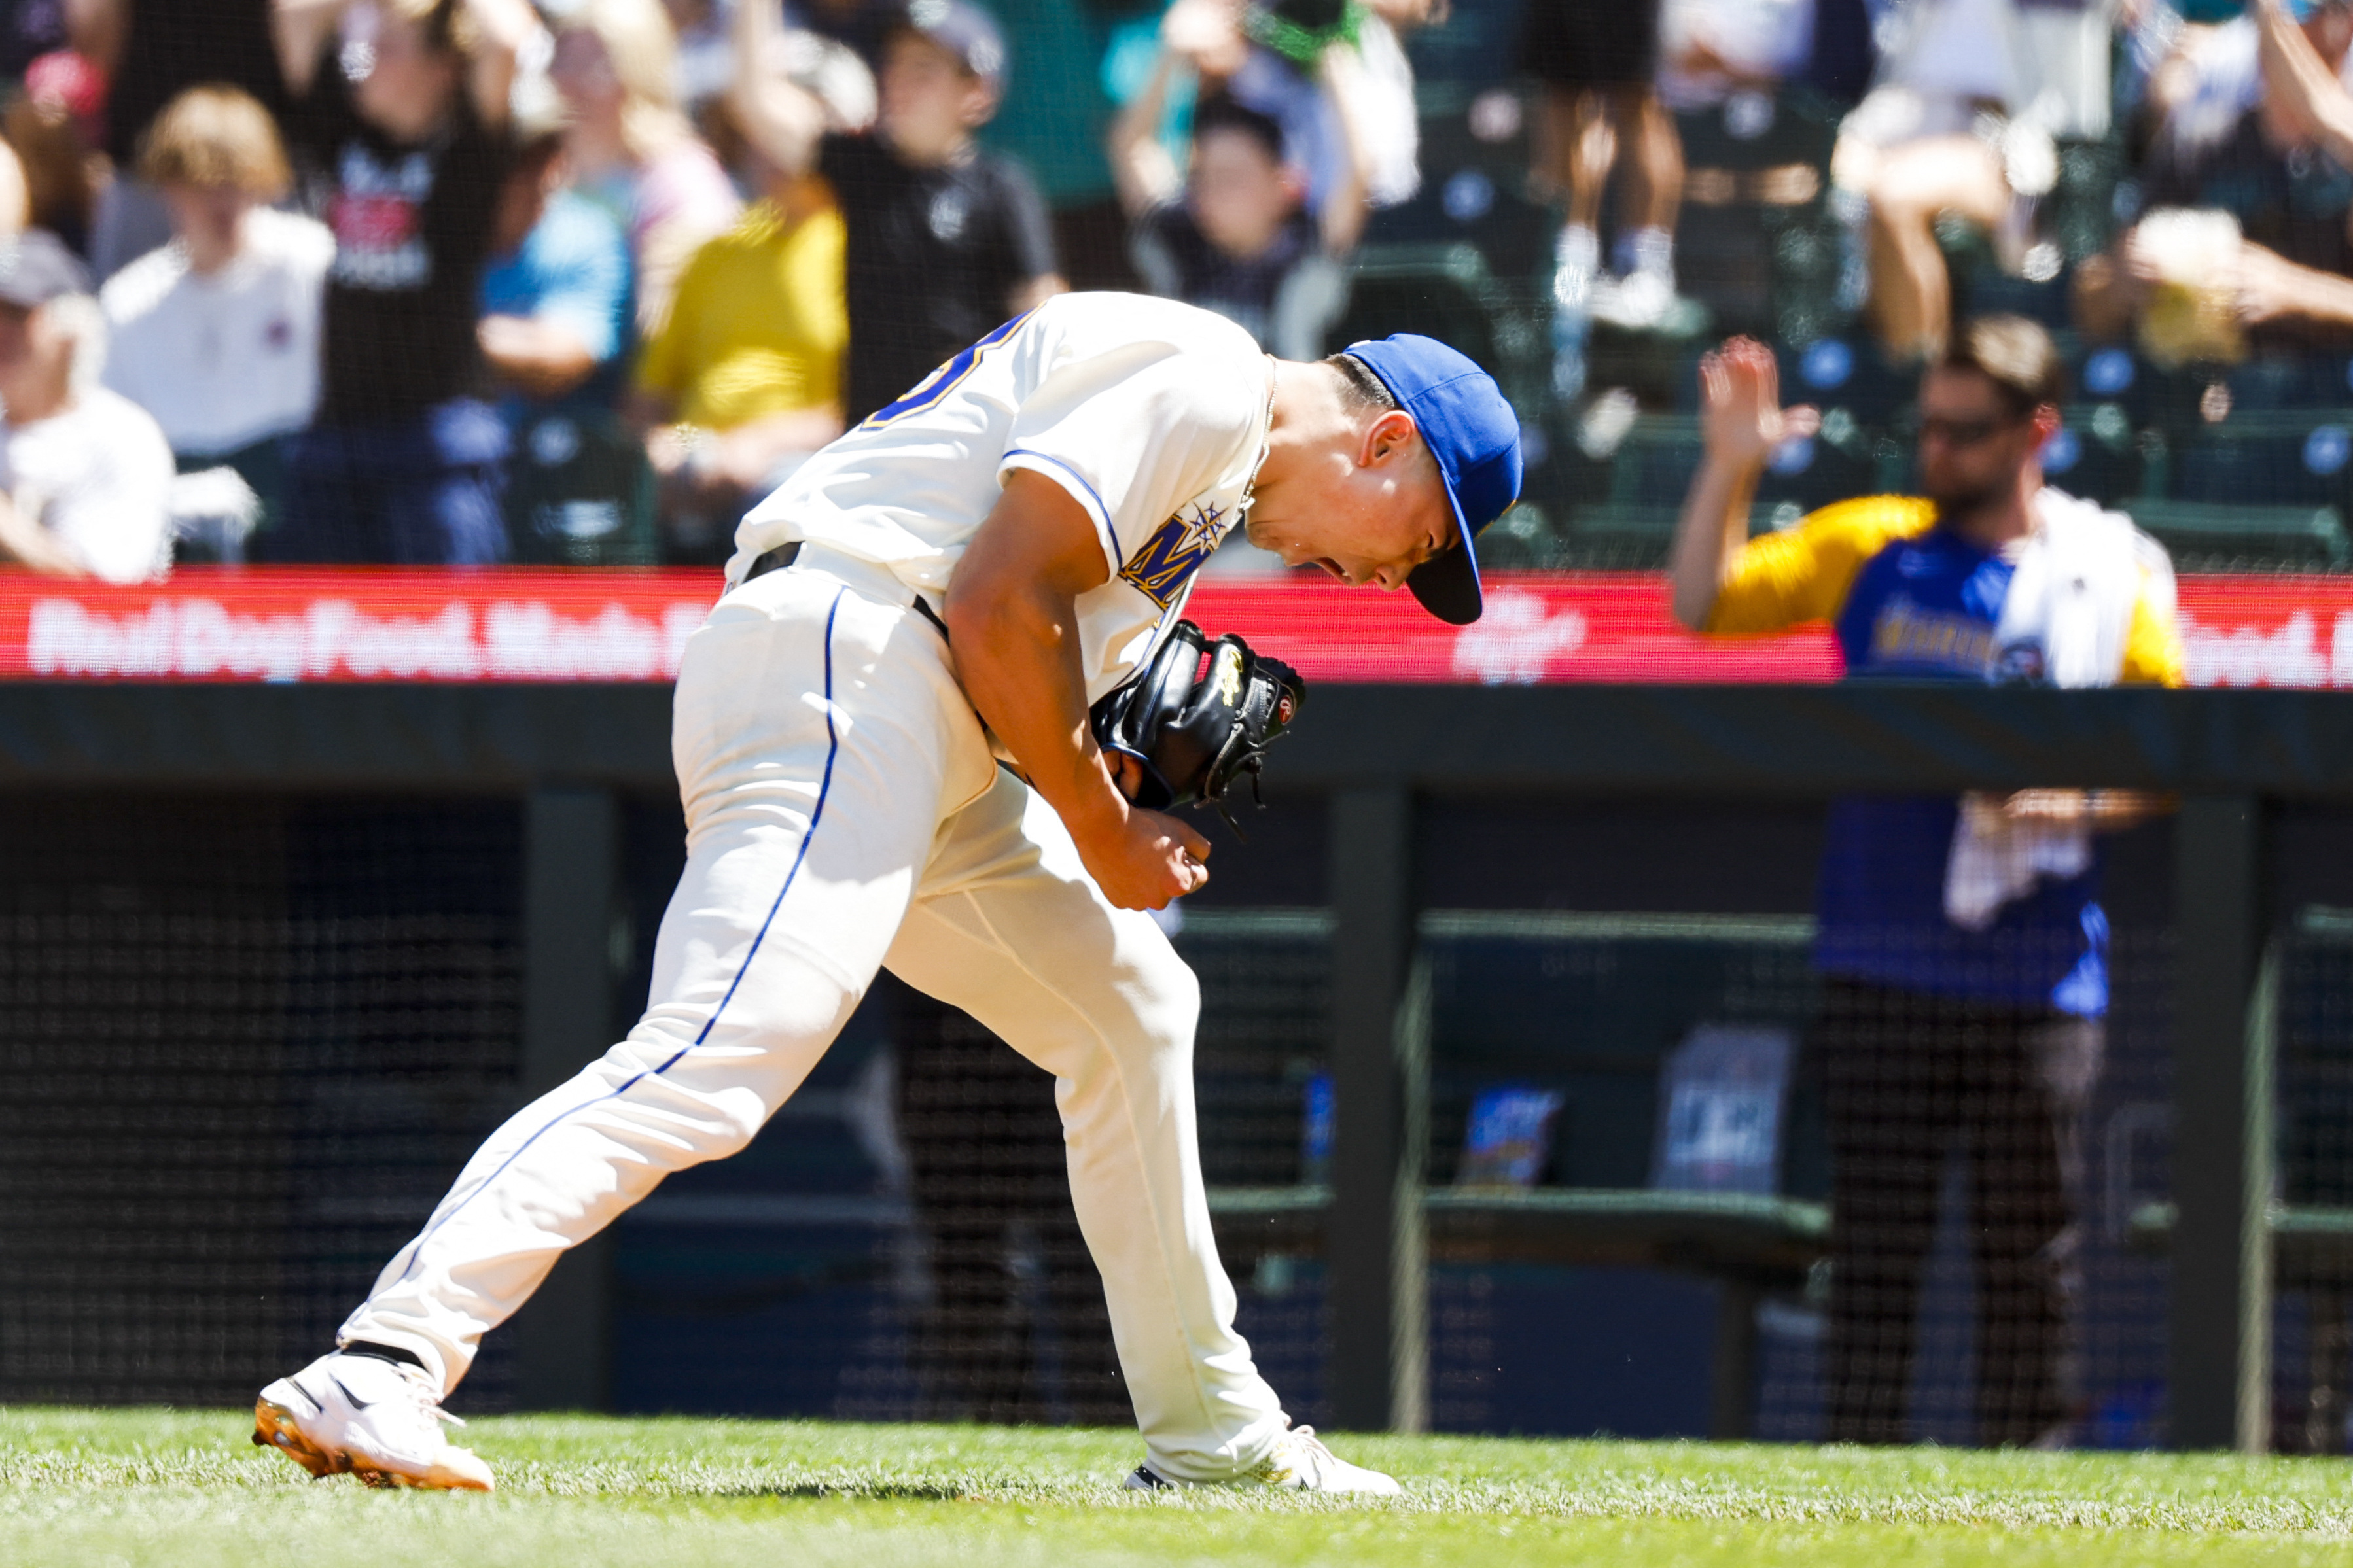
1752	132
1653	468
2268	458
579	493
1474	167
2096	454
2113	373
1753	243
1467	204
1442	291
2287	383
2080	213
1629	522
2230	536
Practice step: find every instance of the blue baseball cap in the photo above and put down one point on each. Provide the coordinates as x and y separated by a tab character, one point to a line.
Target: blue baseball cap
1475	437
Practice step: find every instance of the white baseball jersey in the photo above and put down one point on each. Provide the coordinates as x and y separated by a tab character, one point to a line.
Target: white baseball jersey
1151	414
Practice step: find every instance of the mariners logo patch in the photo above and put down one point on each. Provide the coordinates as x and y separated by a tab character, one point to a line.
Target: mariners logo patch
1175	552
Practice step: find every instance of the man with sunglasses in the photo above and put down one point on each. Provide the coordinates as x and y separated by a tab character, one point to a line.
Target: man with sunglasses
1952	1023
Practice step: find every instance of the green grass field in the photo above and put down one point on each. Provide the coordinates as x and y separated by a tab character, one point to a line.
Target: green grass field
137	1487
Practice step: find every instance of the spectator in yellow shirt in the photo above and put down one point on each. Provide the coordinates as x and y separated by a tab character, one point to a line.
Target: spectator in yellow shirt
1961	943
744	379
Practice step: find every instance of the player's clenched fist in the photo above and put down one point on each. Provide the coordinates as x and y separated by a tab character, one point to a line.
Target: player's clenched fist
1146	861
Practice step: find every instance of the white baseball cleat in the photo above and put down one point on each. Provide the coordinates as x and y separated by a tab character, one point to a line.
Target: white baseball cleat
377	1419
1298	1461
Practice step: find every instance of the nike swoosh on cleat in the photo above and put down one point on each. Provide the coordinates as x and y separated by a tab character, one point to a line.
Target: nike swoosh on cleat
357	1403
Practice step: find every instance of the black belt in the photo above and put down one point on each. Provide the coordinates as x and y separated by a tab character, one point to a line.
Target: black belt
785	554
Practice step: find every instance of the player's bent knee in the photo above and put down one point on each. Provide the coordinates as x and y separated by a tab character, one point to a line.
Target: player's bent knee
1167	998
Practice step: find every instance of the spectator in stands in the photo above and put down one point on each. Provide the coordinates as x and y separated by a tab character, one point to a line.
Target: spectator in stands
556	325
217	334
632	149
1214	46
744	379
2276	275
149	51
1971	98
2206	75
943	239
1962	945
555	295
402	108
1600	111
53	126
85	476
1234	236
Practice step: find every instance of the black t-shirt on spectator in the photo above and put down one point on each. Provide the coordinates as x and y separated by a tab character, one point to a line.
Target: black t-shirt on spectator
1176	260
412	225
2296	203
933	257
169	46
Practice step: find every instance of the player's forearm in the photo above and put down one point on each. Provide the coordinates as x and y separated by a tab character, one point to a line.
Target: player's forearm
1709	536
1017	649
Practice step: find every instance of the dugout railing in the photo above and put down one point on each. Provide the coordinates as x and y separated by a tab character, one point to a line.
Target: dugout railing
1377	757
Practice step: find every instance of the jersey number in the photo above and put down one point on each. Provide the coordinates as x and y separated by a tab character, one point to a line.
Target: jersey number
929	392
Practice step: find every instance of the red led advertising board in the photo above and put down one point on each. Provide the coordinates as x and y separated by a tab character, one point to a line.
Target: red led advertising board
519	624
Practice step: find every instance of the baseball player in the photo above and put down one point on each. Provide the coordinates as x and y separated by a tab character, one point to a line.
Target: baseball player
954	583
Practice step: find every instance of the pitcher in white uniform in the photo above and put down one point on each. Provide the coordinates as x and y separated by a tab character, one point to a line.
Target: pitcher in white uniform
951	583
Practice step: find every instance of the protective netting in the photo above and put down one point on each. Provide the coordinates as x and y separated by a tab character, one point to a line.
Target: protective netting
1678	1181
245	1045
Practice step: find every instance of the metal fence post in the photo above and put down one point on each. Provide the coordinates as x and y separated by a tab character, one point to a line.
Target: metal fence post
2220	1321
1378	1371
572	850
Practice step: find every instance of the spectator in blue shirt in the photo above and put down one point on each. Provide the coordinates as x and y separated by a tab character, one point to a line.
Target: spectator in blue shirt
557	304
557	292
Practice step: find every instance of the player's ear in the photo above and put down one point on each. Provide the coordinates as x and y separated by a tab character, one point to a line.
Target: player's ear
1390	436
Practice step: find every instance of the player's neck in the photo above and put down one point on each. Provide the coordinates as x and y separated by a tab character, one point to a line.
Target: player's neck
1309	416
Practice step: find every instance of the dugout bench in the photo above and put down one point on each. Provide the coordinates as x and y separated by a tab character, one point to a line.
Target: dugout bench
1748	1243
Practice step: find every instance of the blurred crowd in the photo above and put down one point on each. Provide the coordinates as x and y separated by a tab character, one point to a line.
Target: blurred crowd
576	281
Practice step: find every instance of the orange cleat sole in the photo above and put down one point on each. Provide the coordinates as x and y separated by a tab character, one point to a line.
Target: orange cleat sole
275	1426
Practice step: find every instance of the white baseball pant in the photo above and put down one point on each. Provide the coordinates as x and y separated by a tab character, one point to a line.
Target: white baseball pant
843	813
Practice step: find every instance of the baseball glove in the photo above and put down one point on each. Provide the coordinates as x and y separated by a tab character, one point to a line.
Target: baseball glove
1198	726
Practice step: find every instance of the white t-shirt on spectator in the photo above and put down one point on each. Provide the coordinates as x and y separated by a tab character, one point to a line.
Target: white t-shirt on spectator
2226	79
99	478
2045	64
1758	40
224	361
